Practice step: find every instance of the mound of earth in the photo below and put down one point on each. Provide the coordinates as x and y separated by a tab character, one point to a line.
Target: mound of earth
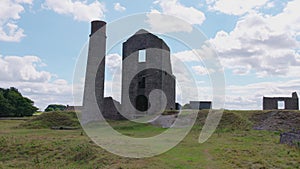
281	120
230	121
52	119
234	121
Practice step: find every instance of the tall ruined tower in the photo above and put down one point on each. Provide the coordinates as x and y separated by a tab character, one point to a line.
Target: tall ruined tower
146	66
94	80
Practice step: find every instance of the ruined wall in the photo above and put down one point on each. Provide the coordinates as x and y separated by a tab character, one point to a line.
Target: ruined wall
200	105
148	80
290	103
111	109
140	78
270	103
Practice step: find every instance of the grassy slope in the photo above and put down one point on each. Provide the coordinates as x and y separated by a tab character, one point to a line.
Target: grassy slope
234	145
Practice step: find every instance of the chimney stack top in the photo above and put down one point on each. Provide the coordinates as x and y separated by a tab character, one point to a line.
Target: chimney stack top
96	25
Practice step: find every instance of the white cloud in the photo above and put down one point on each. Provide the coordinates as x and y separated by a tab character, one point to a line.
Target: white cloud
113	62
119	7
187	56
188	85
23	73
270	5
15	68
80	10
11	33
201	70
236	7
164	23
266	44
166	20
9	14
205	53
24	1
174	8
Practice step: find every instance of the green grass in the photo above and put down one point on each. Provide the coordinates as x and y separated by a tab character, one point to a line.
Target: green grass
233	145
137	130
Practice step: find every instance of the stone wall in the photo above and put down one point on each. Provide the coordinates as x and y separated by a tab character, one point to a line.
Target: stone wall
139	79
111	109
200	105
290	103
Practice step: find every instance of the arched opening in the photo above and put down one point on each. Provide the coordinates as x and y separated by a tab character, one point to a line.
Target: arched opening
141	103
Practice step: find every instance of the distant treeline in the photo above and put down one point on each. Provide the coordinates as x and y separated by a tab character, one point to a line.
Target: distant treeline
13	104
55	107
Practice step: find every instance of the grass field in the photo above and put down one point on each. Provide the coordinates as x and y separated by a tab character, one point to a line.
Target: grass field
233	145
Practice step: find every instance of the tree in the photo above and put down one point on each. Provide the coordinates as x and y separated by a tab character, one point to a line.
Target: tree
13	104
55	107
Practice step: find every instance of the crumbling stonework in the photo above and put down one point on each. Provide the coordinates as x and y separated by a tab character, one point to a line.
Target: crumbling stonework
111	109
200	105
290	138
140	78
290	103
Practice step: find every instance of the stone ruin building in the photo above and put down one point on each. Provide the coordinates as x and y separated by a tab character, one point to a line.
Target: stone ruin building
146	66
290	103
200	105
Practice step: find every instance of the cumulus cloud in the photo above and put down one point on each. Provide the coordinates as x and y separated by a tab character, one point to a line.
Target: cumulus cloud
270	5
266	44
206	52
165	23
119	7
15	68
189	84
187	56
236	7
174	8
113	62
9	15
201	70
80	10
40	86
187	16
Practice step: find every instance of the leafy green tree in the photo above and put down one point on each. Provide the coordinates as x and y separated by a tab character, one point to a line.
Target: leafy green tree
55	107
13	104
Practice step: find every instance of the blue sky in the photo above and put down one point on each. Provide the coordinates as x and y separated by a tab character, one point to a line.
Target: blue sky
257	42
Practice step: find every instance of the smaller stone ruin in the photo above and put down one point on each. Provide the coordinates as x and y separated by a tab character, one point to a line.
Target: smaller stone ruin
290	138
200	105
290	103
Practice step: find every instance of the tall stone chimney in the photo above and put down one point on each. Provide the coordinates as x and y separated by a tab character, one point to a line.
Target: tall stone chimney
93	98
